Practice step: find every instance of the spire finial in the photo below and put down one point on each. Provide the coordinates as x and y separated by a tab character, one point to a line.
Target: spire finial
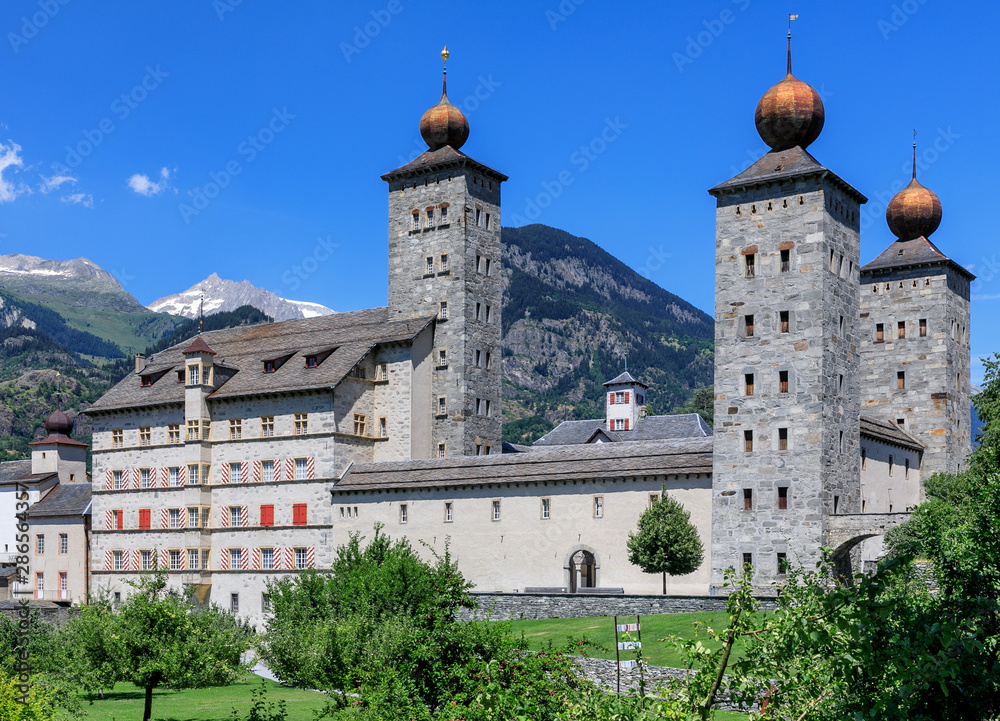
914	153
790	18
444	65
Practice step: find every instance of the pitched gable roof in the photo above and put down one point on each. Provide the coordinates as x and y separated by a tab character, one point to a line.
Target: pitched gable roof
912	253
780	165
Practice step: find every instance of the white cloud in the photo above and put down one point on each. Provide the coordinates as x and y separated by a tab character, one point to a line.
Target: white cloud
10	157
84	199
54	182
143	185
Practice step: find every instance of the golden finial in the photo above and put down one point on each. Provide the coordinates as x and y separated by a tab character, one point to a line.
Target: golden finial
444	55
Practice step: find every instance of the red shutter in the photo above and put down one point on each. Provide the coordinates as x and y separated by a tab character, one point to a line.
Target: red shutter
119	519
267	515
143	518
626	396
611	398
626	424
299	514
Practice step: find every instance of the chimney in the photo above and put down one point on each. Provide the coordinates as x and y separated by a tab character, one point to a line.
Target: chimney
140	362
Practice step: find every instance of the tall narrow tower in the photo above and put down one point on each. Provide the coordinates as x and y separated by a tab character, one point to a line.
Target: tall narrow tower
444	260
786	450
915	333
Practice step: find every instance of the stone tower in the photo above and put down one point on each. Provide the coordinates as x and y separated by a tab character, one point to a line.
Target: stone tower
915	333
444	261
786	449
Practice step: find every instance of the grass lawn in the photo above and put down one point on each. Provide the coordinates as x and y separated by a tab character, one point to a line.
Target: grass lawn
601	630
202	704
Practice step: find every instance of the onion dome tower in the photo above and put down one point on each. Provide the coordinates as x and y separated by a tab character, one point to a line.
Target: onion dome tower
790	113
444	124
915	211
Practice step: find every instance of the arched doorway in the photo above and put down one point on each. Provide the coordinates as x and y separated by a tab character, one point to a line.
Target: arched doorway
582	571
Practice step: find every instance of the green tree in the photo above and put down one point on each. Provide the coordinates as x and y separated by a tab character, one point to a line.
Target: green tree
665	540
158	637
702	402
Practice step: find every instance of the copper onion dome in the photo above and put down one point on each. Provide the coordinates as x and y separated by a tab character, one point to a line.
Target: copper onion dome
914	211
58	424
444	124
790	113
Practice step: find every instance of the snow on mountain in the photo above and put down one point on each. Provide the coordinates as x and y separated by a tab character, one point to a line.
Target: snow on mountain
225	295
24	266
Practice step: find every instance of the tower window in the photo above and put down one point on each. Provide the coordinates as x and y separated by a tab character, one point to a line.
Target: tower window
906	469
783	319
489	269
488	224
840	383
442	406
444	215
783	381
402	513
443	310
782	439
444	262
415	225
900	380
747	562
786	260
782	564
923	327
748	441
430	265
751	265
879	333
901	329
890	465
430	217
748	380
749	325
489	314
442	451
836	504
442	357
782	498
747	499
864	458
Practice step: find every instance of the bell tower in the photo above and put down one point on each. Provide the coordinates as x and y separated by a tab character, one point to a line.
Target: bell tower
787	444
444	261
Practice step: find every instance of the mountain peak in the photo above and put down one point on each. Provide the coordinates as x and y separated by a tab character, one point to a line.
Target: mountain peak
227	295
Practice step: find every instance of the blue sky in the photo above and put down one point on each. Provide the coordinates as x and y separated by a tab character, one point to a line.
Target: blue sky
115	120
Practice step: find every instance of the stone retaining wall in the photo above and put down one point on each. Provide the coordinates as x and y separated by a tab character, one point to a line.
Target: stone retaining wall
533	606
55	617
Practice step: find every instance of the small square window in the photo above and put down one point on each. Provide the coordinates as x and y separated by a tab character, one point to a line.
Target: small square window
748	321
653	498
442	451
234	602
900	380
901	329
496	510
786	260
443	311
879	333
923	327
449	513
748	441
402	513
782	564
782	498
748	383
383	428
783	381
444	262
747	562
598	506
747	499
546	509
782	439
783	320
430	265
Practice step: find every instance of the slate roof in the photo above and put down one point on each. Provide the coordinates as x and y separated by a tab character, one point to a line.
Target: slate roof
779	165
650	428
563	463
912	253
245	348
441	158
20	472
66	499
888	432
625	378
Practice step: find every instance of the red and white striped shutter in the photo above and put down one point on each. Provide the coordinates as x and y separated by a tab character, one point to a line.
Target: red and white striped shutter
611	398
136	473
109	520
164	560
244	515
184	561
626	424
182	475
164	476
289	469
245	558
224	516
109	481
244	471
108	560
256	471
255	559
289	558
224	474
626	396
183	517
310	557
224	559
310	468
164	518
135	560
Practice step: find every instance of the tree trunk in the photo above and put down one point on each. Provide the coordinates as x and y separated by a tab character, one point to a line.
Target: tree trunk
664	583
147	711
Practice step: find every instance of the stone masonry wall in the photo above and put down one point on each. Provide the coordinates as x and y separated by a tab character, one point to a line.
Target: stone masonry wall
818	224
470	232
533	606
934	404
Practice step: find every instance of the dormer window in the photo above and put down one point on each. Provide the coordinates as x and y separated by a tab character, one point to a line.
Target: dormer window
194	375
146	381
270	366
180	376
312	361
